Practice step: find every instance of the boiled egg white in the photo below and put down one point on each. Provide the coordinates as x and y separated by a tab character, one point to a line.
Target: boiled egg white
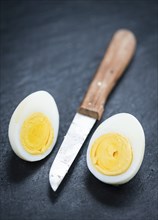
116	149
33	127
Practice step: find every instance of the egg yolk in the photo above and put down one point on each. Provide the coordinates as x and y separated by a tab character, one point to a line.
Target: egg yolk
111	154
36	134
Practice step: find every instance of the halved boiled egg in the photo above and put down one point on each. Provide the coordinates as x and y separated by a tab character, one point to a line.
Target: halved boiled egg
34	125
116	149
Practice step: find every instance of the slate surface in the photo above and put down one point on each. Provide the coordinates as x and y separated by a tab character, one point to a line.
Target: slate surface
57	46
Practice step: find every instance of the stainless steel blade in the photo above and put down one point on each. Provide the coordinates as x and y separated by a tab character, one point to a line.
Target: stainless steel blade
72	143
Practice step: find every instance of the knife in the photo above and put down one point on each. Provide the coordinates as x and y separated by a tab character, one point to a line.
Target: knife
119	53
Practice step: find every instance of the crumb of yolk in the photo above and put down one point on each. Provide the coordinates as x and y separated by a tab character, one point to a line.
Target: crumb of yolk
111	154
36	134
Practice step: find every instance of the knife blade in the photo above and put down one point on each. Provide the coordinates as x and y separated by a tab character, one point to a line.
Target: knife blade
70	147
118	55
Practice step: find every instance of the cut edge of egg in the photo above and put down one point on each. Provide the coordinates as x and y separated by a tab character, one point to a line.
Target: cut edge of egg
111	125
22	111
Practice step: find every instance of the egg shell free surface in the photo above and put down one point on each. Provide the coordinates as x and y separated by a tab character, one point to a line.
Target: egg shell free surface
40	101
128	126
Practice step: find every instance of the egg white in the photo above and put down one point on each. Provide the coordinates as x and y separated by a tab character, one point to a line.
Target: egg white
127	125
40	101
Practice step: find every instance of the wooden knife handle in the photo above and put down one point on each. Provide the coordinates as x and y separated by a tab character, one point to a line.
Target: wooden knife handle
116	59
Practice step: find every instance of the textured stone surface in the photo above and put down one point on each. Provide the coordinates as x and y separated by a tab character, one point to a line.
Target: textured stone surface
57	46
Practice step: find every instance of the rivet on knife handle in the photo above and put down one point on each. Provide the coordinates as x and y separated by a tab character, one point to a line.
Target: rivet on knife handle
116	59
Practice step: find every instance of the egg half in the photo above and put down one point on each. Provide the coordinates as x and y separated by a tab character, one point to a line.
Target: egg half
33	127
116	149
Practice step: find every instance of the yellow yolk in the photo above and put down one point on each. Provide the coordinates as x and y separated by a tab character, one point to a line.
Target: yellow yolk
111	154
36	134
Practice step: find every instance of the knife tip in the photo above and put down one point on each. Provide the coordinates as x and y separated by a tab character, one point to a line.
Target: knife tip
54	181
54	187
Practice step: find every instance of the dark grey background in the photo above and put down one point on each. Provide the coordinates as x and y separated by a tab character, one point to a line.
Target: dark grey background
57	46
